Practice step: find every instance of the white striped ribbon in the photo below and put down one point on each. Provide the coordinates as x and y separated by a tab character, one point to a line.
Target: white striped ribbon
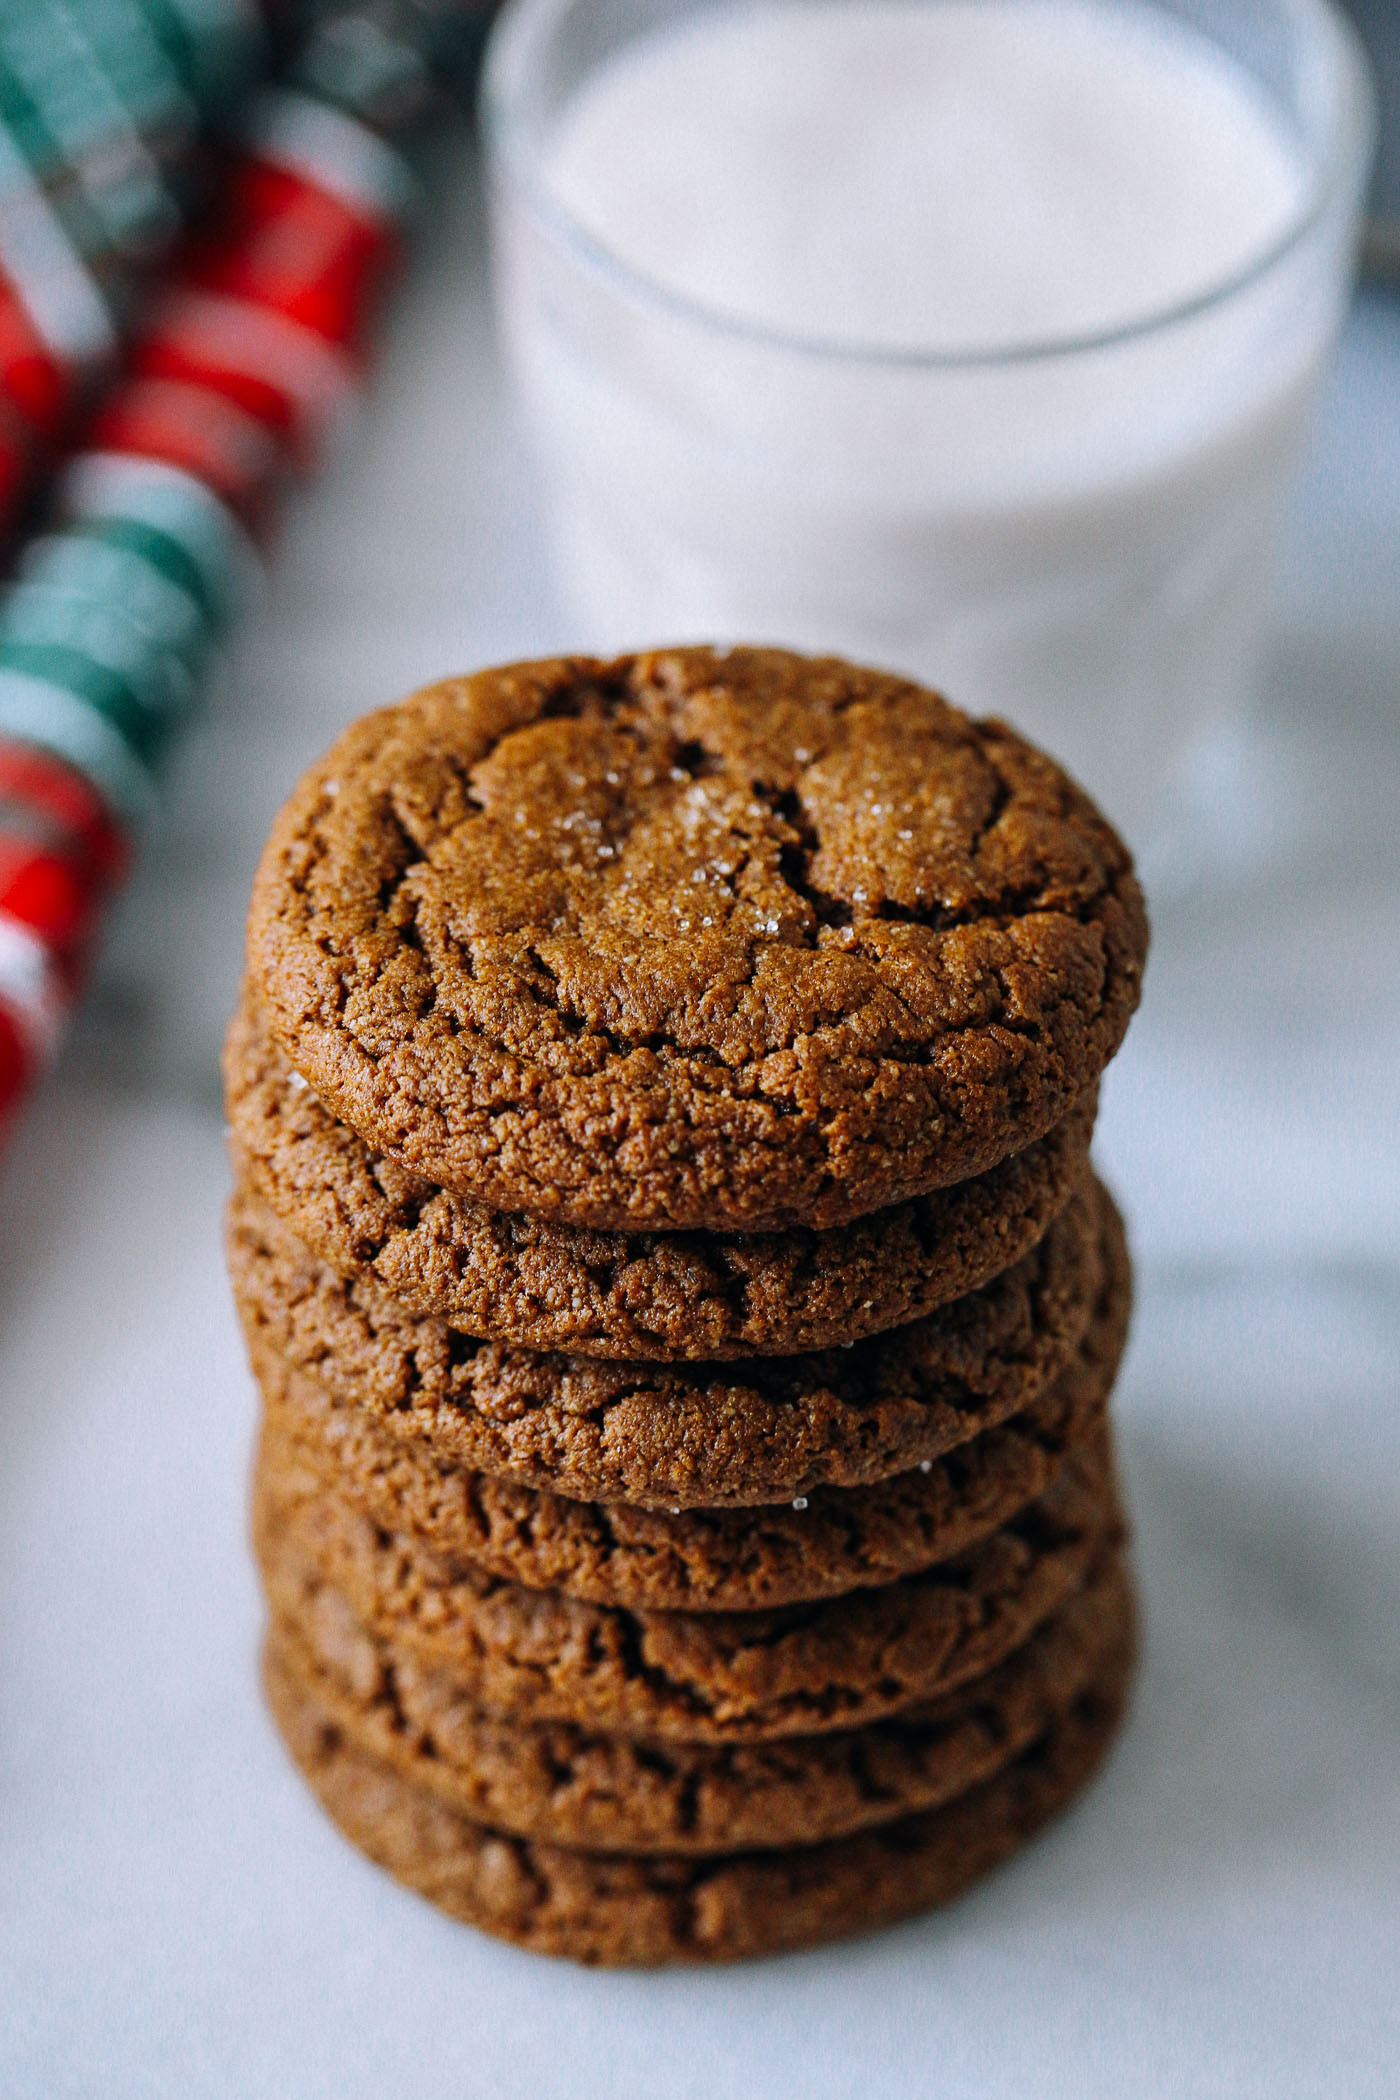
31	987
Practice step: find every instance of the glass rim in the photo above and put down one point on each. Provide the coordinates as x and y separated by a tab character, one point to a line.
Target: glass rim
1346	152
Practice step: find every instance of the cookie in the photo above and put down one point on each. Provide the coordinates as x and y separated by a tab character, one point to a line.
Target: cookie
604	1908
732	941
697	1677
703	1560
633	1295
605	1793
698	1436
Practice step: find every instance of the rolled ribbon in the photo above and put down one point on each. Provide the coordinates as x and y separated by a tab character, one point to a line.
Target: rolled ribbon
247	358
102	105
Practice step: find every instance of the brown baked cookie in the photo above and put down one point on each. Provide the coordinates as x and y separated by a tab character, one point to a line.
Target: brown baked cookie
703	1560
605	1793
697	1677
668	1434
603	1908
635	1295
726	940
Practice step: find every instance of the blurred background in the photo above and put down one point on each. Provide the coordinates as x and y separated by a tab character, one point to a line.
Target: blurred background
1220	1917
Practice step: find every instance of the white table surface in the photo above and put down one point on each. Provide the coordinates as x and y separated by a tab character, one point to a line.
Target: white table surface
1221	1916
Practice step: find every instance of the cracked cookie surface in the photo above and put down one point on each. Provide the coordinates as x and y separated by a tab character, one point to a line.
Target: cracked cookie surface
568	1786
704	1296
694	1435
704	1560
697	1677
722	940
605	1908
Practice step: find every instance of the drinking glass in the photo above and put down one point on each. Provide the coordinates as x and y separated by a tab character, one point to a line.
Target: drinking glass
1072	533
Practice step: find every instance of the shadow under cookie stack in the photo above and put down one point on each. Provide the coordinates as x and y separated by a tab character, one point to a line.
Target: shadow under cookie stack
685	1315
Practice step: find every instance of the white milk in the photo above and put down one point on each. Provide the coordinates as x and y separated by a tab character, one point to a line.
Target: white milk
745	435
954	176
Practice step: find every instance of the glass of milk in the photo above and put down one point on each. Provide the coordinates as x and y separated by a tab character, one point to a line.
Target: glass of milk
970	337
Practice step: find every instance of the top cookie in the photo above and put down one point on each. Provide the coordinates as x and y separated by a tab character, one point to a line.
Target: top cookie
735	940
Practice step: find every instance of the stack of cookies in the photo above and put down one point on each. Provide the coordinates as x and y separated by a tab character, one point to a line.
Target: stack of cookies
685	1315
